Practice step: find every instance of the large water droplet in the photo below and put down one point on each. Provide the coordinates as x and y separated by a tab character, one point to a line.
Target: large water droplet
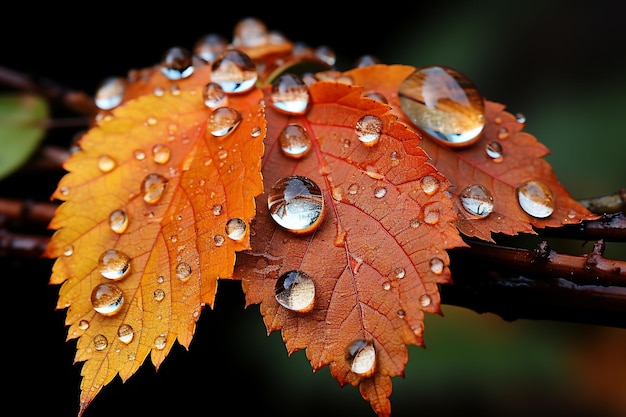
368	129
294	141
289	94
477	200
223	120
536	199
114	264
107	298
183	271
118	221
295	290
125	333
209	46
234	71
152	187
177	63
236	229
250	32
214	96
296	204
110	93
362	357
100	342
444	103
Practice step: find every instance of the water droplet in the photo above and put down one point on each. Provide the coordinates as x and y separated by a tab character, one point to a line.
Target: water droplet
444	103
477	200
399	273
425	300
125	333
289	94
236	229
520	117
353	189
183	271
106	163
386	285
214	96
366	61
296	203
118	221
401	313
394	158
494	151
83	324
152	187
294	141
414	223
217	209
436	266
68	250
223	120
64	190
158	294
209	46
430	184
295	290
139	155
326	55
256	131
107	298
219	240
100	342
503	133
377	96
177	63
250	32
431	214
380	192
160	341
234	71
368	129
362	357
536	199
161	153
110	93
114	264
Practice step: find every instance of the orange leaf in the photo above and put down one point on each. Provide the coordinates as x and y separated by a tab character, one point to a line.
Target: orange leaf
363	277
174	246
521	161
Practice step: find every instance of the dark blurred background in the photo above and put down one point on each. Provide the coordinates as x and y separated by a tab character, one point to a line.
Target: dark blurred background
561	64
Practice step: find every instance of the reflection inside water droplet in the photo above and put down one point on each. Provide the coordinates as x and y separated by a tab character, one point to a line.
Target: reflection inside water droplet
536	199
294	141
477	200
118	221
296	204
114	264
177	63
236	229
362	357
444	103
295	290
368	129
153	187
107	298
223	121
125	333
289	94
234	71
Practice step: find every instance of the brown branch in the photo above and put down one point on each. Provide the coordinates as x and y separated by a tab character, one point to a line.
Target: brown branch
26	211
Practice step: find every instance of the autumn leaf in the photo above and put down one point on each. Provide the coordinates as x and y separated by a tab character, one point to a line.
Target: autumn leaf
501	182
155	205
350	238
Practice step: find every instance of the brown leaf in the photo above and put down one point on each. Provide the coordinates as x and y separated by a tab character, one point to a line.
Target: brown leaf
522	160
378	253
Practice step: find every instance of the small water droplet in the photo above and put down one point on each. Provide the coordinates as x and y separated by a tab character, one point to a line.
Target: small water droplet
106	163
296	204
414	222
444	103
399	273
160	279
209	46
161	153
158	294
107	298
214	96
223	121
236	229
477	200
114	264
295	290
125	333
217	209
234	71
430	184
100	342
326	54
401	313
118	221
64	190
256	131
431	214
386	285
177	63
160	342
368	129
294	141
394	158
520	117
353	189
289	94
536	199
377	96
425	300
361	357
380	192
219	240
436	266
494	151
83	324
139	155
110	93
68	250
366	61
152	187
183	271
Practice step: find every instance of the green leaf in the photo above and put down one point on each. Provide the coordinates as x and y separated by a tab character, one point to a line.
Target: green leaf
22	127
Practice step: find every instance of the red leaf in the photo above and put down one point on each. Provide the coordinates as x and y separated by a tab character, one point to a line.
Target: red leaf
376	257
